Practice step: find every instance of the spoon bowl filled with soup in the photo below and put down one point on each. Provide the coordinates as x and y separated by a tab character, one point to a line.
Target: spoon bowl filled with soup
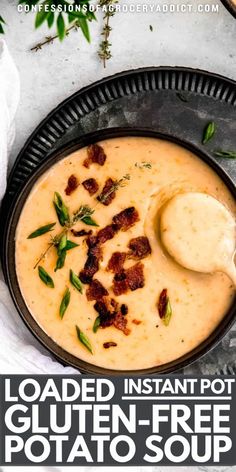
92	265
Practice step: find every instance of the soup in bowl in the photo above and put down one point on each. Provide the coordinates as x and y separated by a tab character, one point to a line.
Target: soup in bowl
90	266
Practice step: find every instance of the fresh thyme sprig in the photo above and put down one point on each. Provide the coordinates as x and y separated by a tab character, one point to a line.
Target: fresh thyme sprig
115	186
50	39
104	51
84	214
50	245
70	13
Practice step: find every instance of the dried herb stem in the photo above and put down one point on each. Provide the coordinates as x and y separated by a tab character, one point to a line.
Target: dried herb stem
83	214
54	242
116	185
105	46
50	39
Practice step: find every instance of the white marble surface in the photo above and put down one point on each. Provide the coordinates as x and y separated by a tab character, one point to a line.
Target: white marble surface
205	41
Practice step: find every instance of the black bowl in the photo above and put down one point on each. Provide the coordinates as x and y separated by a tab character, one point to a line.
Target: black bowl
10	267
230	7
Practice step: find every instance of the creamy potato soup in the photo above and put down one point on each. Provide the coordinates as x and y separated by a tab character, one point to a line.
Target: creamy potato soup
110	294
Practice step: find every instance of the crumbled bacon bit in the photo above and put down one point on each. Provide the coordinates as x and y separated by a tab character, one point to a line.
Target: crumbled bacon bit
139	247
109	344
94	243
107	194
96	291
116	262
132	278
120	322
72	184
97	252
90	268
95	154
111	314
124	309
123	221
91	186
106	308
136	322
82	232
106	233
162	303
120	284
126	218
135	276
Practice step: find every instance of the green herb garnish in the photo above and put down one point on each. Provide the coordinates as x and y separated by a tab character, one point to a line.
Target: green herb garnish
70	245
96	325
227	154
208	132
62	244
104	51
84	340
114	187
75	281
164	307
60	260
61	209
41	230
2	22
45	277
61	252
61	29
89	221
143	165
80	19
84	214
64	303
168	313
151	27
